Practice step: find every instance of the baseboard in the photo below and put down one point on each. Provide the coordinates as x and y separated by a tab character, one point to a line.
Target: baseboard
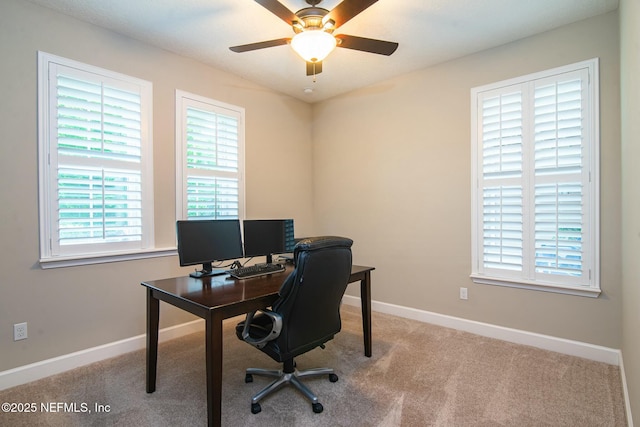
546	342
56	365
625	391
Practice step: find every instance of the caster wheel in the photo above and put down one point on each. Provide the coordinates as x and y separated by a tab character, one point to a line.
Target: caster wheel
317	407
248	378
255	408
333	378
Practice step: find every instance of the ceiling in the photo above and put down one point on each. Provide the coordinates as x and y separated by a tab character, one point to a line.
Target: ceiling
428	32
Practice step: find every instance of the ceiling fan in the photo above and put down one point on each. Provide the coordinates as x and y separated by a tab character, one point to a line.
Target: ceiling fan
314	26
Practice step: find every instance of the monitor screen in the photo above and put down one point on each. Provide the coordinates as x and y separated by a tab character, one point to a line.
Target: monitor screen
206	241
264	237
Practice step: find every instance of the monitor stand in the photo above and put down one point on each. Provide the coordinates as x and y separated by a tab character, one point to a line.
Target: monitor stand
204	273
207	271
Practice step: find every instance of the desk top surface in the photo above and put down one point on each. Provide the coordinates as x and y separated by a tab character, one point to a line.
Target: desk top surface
223	290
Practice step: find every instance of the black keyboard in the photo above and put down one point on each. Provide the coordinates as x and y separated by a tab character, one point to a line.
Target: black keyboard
255	270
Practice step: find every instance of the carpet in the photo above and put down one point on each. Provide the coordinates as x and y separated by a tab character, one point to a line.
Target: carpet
419	375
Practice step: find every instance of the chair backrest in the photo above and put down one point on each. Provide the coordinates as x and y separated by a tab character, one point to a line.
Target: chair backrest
310	297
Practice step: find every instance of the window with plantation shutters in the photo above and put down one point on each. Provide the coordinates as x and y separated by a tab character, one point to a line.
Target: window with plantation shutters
209	153
95	160
535	181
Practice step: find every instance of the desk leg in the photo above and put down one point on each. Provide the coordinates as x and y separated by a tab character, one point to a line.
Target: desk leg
213	346
153	316
365	297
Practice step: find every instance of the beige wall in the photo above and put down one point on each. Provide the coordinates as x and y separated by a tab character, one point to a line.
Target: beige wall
393	172
630	94
75	308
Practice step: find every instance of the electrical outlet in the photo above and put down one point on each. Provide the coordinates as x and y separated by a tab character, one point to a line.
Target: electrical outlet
463	293
20	331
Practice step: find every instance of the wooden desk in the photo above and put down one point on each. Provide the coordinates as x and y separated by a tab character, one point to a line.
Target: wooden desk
220	297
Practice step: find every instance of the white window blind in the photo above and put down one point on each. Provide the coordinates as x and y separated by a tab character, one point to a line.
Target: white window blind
210	154
535	168
561	179
502	216
96	180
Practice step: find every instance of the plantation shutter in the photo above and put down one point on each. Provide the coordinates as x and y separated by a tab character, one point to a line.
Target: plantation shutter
502	197
535	205
98	159
211	138
559	177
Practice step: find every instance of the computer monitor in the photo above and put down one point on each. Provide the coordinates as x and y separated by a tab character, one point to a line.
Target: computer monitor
206	241
265	237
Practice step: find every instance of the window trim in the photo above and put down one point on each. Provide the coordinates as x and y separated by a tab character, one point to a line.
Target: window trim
181	183
593	249
45	102
60	262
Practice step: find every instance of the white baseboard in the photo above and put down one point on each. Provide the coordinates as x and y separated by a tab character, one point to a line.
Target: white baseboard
546	342
56	365
625	390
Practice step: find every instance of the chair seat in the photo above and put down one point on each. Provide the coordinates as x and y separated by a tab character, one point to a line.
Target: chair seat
260	327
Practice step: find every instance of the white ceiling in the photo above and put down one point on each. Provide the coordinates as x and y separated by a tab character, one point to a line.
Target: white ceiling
428	31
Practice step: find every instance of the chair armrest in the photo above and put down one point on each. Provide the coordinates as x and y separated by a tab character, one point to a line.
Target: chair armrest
276	327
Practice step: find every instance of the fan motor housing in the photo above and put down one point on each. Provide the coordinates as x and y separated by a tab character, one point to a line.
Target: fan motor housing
312	18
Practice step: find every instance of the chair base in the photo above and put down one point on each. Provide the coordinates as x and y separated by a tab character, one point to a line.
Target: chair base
283	378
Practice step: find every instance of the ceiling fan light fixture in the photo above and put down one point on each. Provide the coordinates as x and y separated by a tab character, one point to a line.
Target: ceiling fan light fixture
313	45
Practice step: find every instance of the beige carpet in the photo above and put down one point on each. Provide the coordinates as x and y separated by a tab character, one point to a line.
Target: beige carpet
419	375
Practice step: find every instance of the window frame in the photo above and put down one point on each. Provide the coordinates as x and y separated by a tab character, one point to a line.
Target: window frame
52	255
590	286
182	102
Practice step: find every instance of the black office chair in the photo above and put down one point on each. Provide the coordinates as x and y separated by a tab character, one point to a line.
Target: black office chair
306	315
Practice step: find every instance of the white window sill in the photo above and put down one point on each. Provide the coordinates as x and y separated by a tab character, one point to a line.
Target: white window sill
568	290
70	261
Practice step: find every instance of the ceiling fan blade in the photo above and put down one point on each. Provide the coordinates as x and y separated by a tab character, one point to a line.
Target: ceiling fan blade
259	45
348	9
380	47
314	68
278	9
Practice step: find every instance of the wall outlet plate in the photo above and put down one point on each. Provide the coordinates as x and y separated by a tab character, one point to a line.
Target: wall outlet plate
20	331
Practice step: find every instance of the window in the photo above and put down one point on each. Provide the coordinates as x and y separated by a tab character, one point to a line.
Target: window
95	162
210	158
535	201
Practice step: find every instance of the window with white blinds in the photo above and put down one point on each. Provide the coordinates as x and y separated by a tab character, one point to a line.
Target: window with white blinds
535	181
210	158
95	160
